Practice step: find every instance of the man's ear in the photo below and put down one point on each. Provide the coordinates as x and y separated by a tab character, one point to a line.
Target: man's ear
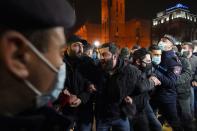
14	51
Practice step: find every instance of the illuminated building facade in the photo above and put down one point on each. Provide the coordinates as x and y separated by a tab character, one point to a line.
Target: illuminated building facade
115	28
177	21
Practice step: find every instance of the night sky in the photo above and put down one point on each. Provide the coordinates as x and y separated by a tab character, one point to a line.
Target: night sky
90	10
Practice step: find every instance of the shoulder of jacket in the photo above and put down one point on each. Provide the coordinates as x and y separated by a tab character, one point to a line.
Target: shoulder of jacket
131	69
194	57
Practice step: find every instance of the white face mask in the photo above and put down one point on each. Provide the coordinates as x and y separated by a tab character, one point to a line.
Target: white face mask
42	99
161	45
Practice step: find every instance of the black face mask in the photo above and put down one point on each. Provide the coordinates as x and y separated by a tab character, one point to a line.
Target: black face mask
107	65
147	67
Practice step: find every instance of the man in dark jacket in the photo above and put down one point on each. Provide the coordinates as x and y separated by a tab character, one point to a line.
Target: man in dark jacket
76	86
184	92
145	114
194	42
187	49
32	71
166	95
87	68
118	83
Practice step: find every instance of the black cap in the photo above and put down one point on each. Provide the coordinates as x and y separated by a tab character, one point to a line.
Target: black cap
73	39
35	14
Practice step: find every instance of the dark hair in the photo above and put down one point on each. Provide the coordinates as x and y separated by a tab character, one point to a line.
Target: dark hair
124	52
112	47
154	47
74	38
88	47
191	46
140	54
136	47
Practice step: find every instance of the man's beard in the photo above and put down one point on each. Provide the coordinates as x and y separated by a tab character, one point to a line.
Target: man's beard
107	65
75	55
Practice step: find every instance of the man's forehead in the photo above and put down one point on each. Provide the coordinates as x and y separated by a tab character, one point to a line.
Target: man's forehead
77	43
164	39
147	56
185	46
156	52
104	50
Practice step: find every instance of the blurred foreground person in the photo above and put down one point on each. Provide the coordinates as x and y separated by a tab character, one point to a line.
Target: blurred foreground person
32	71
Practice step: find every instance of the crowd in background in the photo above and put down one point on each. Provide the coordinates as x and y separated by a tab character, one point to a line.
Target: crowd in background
53	82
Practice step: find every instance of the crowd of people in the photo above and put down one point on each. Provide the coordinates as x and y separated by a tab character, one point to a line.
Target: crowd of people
53	82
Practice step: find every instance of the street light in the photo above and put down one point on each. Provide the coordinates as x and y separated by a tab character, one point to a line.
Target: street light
96	43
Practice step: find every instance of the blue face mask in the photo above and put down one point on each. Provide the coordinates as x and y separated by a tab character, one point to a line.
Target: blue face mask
59	83
94	56
156	60
161	45
43	99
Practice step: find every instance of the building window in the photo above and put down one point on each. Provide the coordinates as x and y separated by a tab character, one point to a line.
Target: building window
174	15
167	19
155	22
162	20
180	14
188	17
194	19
